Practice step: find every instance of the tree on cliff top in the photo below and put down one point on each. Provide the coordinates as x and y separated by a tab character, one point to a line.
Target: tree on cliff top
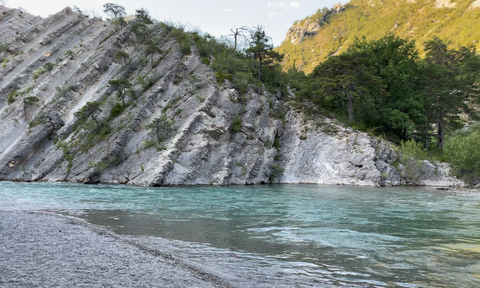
114	10
262	49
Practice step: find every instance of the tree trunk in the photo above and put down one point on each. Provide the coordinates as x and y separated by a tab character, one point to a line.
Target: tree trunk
351	116
426	136
260	67
440	129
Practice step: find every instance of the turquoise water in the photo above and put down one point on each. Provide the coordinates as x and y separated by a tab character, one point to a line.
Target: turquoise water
287	235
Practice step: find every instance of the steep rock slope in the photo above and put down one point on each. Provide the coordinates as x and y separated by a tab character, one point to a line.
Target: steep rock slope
43	136
331	31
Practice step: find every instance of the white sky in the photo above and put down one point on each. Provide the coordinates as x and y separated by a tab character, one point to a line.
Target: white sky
216	17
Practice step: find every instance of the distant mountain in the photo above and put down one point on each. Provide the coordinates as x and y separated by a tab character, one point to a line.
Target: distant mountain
331	31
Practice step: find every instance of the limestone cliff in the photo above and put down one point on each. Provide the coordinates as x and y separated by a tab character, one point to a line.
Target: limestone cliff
57	65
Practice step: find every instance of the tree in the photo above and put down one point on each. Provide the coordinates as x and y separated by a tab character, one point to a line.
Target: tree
143	16
448	84
161	128
121	86
151	50
121	55
114	10
141	31
262	49
238	33
90	110
343	79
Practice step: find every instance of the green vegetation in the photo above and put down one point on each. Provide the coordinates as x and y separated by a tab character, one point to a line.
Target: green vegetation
38	72
462	151
384	87
12	96
236	125
276	172
162	129
416	20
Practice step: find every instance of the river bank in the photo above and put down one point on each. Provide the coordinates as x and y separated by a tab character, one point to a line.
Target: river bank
49	250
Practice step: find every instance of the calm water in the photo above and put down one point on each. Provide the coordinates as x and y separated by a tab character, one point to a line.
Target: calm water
288	235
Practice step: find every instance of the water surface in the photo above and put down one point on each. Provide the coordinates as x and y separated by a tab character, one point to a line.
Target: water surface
286	235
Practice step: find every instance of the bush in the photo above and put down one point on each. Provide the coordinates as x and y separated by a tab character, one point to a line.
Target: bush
48	66
12	96
463	153
236	125
38	72
276	172
116	110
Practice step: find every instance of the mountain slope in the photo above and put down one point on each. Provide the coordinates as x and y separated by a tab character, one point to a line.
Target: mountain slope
330	32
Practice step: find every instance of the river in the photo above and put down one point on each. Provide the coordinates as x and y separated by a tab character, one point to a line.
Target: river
286	235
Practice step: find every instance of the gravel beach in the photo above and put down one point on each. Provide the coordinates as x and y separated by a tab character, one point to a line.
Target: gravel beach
39	250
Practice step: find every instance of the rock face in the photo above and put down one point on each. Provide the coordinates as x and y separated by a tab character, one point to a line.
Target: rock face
311	25
50	140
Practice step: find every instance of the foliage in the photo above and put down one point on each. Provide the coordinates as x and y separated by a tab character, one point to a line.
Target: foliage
462	151
142	15
121	86
121	55
236	125
262	49
276	172
114	10
418	20
3	47
48	66
383	86
162	129
12	96
38	72
117	110
89	110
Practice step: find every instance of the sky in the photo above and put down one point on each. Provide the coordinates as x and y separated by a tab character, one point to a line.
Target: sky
216	17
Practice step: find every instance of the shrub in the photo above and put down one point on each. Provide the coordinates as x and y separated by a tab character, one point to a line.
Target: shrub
162	129
236	125
464	154
38	72
48	66
116	110
12	96
276	172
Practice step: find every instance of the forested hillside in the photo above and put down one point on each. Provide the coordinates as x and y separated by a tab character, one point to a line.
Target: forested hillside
331	31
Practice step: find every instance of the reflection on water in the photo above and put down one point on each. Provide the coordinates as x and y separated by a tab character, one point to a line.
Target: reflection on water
287	235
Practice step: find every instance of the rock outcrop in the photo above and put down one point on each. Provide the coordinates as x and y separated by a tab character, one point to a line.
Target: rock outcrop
67	64
311	25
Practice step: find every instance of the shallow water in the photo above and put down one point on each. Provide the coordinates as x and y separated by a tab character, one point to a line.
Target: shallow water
286	235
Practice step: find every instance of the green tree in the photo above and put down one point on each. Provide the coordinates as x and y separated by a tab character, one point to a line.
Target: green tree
121	55
448	85
142	15
90	110
262	49
161	128
151	50
114	10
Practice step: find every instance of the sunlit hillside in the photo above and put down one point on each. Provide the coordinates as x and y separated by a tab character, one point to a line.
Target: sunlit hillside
331	31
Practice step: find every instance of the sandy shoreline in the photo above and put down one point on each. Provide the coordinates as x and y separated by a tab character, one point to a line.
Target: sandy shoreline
37	249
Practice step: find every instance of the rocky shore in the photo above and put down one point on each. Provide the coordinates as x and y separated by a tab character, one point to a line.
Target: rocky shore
39	250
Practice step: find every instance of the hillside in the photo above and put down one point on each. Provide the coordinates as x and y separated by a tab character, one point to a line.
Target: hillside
331	31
